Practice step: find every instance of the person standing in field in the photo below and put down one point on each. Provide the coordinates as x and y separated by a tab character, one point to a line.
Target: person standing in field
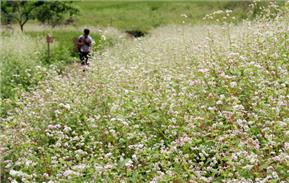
84	44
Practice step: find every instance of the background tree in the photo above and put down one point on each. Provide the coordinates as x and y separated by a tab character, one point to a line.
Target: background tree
18	11
50	12
55	13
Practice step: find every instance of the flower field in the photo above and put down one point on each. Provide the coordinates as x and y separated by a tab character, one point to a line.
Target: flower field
184	104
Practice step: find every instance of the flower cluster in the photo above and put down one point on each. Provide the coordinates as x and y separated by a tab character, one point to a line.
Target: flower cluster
185	104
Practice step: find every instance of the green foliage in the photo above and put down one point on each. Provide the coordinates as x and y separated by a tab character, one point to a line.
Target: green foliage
18	11
51	12
54	12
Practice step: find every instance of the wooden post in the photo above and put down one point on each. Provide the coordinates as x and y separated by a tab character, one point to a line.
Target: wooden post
49	40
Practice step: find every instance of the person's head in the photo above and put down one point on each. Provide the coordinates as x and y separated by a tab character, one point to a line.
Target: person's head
86	32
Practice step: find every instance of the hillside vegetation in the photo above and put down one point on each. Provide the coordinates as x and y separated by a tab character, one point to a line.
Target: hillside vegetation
150	14
205	103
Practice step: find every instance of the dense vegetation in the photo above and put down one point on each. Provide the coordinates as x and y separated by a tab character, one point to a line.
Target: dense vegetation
24	60
203	103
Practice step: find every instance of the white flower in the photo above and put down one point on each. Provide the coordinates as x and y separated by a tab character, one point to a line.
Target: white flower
222	97
248	167
13	173
108	166
28	162
52	126
98	168
134	157
184	15
67	129
79	167
211	108
233	84
58	144
68	172
129	163
286	146
103	37
219	102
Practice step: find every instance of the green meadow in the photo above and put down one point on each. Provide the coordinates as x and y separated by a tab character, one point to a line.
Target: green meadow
144	16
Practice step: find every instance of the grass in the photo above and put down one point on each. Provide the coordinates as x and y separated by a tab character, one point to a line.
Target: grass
186	104
150	14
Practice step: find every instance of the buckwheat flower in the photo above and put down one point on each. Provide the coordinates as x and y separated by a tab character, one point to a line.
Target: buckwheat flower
108	155
184	15
228	11
113	132
134	157
204	70
108	166
28	162
222	96
52	126
103	37
248	167
238	107
13	172
243	58
286	146
21	174
98	168
173	120
275	175
233	84
66	129
67	106
57	113
66	144
129	163
68	173
79	167
211	108
219	102
235	157
58	144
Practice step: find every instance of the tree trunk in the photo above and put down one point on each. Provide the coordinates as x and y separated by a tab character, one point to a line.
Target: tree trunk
21	27
22	23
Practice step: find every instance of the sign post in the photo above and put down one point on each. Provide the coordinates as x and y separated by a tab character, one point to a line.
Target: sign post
49	40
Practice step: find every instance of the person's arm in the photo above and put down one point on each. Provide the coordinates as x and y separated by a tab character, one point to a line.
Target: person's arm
87	41
80	42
